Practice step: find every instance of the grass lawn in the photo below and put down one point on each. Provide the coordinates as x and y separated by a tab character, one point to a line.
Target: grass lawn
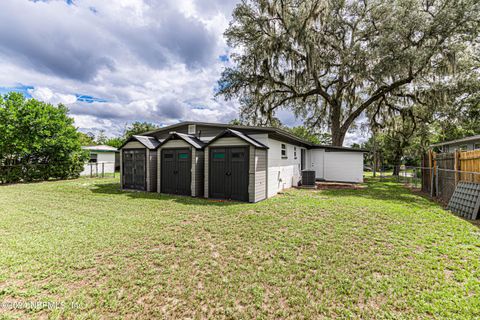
379	252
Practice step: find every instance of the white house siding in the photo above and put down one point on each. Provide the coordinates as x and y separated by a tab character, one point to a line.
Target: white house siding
317	162
282	173
105	163
260	177
344	166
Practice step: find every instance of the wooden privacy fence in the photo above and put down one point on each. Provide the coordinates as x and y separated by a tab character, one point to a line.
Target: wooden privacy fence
441	172
469	161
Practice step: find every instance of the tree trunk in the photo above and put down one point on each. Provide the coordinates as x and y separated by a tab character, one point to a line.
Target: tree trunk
374	164
336	129
396	163
338	137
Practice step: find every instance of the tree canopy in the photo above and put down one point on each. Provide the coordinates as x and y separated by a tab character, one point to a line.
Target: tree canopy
328	61
87	139
309	135
37	141
138	128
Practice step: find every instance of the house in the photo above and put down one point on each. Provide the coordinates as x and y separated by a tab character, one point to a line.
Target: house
225	161
102	159
464	144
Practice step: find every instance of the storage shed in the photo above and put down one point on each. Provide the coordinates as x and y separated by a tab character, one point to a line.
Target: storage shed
235	167
180	165
139	163
233	162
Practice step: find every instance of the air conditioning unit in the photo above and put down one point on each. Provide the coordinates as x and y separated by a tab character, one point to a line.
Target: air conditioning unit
308	178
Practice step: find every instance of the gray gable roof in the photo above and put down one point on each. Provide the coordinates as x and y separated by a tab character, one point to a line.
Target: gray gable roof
240	135
149	142
270	130
463	140
275	133
100	148
190	139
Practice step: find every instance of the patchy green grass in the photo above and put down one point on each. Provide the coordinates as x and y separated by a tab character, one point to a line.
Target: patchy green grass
379	252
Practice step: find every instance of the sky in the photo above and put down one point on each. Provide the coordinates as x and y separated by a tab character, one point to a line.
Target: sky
116	62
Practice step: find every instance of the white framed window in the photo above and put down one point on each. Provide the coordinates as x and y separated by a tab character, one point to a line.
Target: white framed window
476	146
295	153
284	151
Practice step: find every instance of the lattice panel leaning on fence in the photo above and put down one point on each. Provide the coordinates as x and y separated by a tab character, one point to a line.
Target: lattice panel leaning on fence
466	200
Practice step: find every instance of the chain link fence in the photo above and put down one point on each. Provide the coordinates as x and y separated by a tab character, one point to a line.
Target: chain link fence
15	173
98	170
438	182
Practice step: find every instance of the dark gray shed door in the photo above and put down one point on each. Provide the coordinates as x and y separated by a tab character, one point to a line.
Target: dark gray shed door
134	166
228	173
176	171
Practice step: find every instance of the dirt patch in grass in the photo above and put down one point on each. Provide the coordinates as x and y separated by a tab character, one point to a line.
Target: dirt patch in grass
335	186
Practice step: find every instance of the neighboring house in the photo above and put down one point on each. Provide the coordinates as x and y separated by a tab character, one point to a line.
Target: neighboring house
230	161
464	144
103	159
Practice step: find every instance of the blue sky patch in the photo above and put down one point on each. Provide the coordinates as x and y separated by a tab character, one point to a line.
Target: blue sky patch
223	58
21	89
89	99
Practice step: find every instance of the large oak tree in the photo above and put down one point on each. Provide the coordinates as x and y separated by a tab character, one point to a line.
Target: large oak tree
330	60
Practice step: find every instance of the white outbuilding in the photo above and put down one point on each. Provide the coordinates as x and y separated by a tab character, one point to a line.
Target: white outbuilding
102	159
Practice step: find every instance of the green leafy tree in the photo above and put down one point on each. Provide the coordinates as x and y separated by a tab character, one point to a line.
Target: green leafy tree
236	122
38	141
115	142
86	139
101	137
308	135
441	108
330	61
139	128
459	112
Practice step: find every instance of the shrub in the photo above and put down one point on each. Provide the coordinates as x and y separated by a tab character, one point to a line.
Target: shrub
38	141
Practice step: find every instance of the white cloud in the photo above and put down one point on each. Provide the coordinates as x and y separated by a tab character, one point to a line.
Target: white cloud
47	95
151	60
